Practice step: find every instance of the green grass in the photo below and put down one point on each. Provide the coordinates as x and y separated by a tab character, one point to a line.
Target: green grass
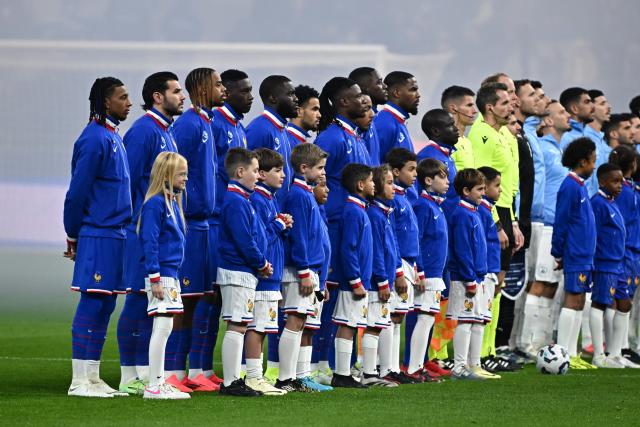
35	371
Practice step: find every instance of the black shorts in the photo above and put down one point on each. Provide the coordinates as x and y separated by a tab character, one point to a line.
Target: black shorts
504	214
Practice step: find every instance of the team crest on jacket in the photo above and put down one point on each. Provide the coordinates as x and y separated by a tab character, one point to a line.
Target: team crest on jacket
163	144
276	143
186	281
97	277
173	294
272	314
250	305
468	305
229	137
205	136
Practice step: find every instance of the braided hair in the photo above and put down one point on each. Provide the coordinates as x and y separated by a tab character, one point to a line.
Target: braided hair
200	87
102	89
329	97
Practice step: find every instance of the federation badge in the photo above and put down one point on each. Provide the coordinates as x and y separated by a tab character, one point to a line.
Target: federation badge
173	294
384	311
582	278
97	277
468	305
629	280
438	296
404	297
636	281
364	311
250	305
272	314
612	291
186	281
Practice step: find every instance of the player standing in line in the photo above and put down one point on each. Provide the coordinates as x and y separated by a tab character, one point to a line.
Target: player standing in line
459	102
625	157
228	132
573	242
486	211
150	135
194	139
618	130
403	100
403	166
579	105
276	225
468	267
301	281
97	207
242	247
161	228
268	129
608	264
371	84
439	126
308	118
384	266
355	263
433	237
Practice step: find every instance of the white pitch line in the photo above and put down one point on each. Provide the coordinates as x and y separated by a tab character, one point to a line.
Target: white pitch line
50	359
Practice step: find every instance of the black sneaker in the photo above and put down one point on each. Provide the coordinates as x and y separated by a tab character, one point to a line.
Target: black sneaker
291	385
490	364
240	389
631	355
509	365
401	378
447	364
345	381
499	364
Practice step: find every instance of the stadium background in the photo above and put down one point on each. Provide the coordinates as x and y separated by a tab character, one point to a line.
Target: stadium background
52	50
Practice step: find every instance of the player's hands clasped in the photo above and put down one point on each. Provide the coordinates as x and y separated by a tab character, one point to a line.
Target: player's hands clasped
306	286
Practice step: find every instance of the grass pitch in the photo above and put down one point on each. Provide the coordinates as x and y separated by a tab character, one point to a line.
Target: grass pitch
35	370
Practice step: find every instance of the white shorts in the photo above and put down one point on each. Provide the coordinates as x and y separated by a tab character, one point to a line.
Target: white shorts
238	303
490	283
313	321
350	311
465	309
172	301
294	302
378	312
402	304
429	300
540	264
265	317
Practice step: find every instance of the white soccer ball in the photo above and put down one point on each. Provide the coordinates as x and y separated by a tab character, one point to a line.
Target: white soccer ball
553	359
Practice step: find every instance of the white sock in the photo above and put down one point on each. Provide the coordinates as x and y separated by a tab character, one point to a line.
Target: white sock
194	373
273	365
232	345
343	356
313	367
207	373
575	333
419	342
369	350
79	372
93	370
620	320
143	373
385	348
565	326
530	320
609	313
625	334
596	324
461	341
128	374
288	350
162	326
323	366
303	365
546	322
518	319
254	368
395	355
585	330
475	344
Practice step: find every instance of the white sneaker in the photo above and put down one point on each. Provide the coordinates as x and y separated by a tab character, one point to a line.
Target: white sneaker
164	391
615	362
264	386
102	387
323	377
628	363
600	361
86	390
464	373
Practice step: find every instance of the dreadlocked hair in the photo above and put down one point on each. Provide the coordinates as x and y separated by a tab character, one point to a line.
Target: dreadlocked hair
199	84
329	97
102	88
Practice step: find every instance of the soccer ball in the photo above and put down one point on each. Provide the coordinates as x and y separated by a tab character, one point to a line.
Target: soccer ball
553	359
